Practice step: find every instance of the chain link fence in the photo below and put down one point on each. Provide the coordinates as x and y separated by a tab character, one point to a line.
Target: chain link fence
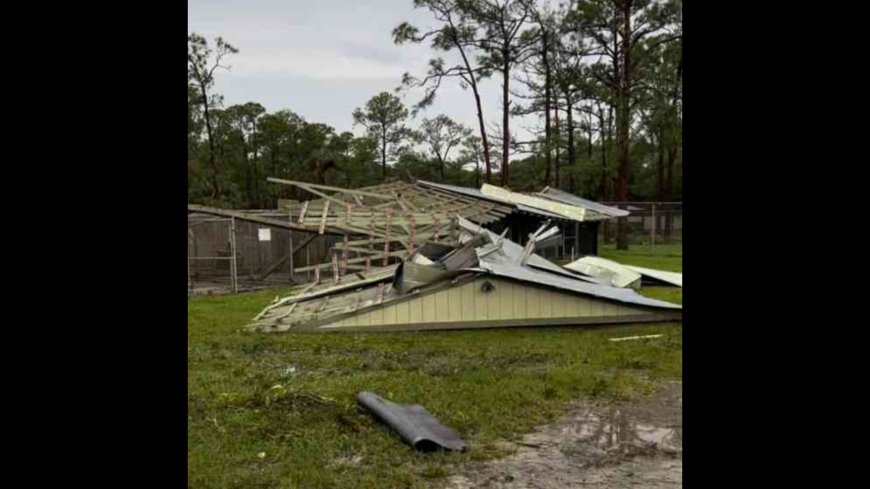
231	255
656	227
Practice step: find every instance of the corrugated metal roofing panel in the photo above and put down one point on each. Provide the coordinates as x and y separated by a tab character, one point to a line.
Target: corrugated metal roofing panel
471	192
505	262
617	274
477	194
566	211
499	264
673	278
565	197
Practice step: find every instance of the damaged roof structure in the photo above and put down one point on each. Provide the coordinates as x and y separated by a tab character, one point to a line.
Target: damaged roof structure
578	219
479	279
351	233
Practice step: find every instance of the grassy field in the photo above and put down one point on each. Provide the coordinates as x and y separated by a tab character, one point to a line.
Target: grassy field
279	410
666	257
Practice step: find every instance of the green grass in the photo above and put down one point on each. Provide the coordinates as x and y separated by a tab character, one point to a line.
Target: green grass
292	396
666	257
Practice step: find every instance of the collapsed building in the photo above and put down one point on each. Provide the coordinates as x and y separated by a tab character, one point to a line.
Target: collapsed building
341	231
480	279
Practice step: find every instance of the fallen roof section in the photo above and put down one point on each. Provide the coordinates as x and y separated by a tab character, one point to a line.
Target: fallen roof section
671	278
483	281
565	211
566	198
534	204
611	272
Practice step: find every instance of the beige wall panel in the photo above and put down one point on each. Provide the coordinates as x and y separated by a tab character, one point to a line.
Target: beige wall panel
390	314
428	308
403	312
415	310
466	293
441	305
454	304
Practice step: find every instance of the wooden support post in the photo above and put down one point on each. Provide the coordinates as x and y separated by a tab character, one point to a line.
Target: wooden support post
290	218
387	242
576	240
653	241
335	277
344	253
323	217
413	241
302	213
347	215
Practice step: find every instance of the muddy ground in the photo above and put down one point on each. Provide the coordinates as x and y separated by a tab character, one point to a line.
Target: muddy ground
599	446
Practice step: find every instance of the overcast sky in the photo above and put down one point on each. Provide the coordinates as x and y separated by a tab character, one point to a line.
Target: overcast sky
323	58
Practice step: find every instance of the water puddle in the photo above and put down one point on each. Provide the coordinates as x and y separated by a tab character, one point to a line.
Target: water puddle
618	431
595	446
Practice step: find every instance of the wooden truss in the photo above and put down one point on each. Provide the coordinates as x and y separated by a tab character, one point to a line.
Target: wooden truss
382	224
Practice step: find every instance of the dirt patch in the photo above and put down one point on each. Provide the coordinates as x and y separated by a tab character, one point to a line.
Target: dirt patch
605	446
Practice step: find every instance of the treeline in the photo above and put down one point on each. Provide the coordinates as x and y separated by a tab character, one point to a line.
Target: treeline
603	77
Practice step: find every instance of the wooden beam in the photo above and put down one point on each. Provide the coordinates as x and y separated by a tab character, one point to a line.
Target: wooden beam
309	186
215	211
323	218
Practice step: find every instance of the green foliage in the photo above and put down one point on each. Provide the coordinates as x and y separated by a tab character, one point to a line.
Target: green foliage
231	150
383	118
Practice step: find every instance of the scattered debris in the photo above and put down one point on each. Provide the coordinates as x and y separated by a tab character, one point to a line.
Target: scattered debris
412	423
351	230
658	277
631	338
611	272
590	206
480	280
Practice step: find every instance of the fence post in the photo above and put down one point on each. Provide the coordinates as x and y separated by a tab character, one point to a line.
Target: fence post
654	222
576	248
290	219
234	270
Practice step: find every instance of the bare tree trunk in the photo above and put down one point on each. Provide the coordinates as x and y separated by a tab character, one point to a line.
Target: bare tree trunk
603	138
622	122
483	138
473	82
557	141
602	129
505	146
571	153
660	167
668	194
384	156
589	136
216	189
547	81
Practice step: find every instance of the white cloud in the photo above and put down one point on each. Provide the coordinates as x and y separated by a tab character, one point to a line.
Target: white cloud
319	63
